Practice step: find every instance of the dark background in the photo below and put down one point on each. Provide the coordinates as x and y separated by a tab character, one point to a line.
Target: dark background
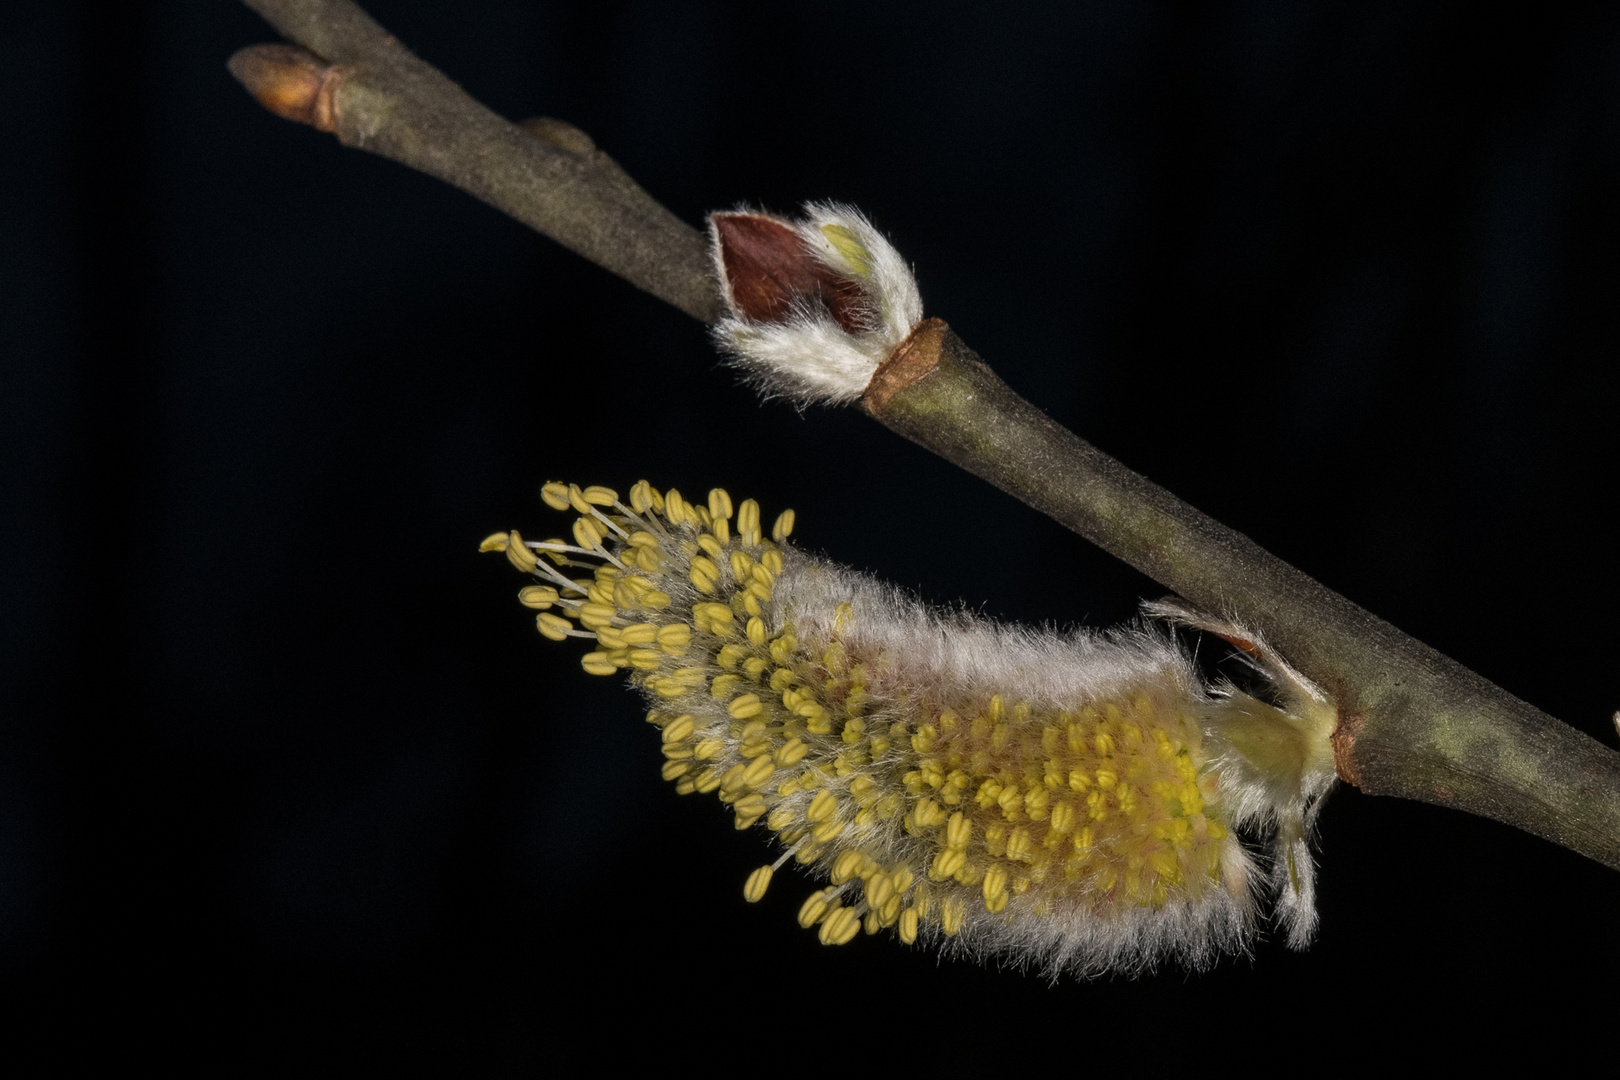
283	763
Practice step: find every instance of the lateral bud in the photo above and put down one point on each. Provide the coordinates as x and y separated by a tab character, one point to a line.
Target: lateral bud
814	305
291	82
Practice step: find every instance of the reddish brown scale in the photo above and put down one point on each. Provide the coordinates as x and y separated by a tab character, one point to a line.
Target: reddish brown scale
769	269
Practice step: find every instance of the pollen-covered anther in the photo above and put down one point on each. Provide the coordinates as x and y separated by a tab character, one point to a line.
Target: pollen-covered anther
754	888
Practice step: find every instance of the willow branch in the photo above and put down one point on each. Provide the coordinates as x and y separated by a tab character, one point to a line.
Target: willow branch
1412	723
358	82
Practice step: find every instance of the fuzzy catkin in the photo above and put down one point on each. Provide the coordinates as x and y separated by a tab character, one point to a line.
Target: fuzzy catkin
1060	800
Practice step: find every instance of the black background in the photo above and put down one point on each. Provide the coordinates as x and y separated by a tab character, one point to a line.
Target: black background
284	767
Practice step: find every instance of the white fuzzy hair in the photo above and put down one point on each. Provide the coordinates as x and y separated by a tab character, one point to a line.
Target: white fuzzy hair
948	653
1282	804
809	358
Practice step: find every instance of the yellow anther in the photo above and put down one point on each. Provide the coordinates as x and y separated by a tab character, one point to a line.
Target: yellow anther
814	908
908	926
1107	778
597	495
724	686
721	530
758	772
674	638
674	507
708	749
742	566
643	539
538	597
712	546
841	616
846	866
597	663
840	927
754	888
946	864
749	809
640	496
790	753
828	832
586	535
714	618
493	542
995	885
781	818
576	499
748	517
763	574
745	706
518	554
756	631
729	655
1104	744
678	728
772	561
958	831
929	814
674	770
592	616
701	581
760	592
639	634
555	495
719	504
951	914
707	781
851	250
822	807
1010	800
732	780
783	527
554	627
879	889
609	638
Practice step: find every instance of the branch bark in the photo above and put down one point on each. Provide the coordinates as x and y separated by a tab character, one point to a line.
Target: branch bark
381	97
1412	723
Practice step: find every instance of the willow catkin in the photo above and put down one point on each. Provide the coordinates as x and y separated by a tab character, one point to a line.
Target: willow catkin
1067	800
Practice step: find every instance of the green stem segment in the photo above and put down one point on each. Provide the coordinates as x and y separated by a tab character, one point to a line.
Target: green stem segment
1412	723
